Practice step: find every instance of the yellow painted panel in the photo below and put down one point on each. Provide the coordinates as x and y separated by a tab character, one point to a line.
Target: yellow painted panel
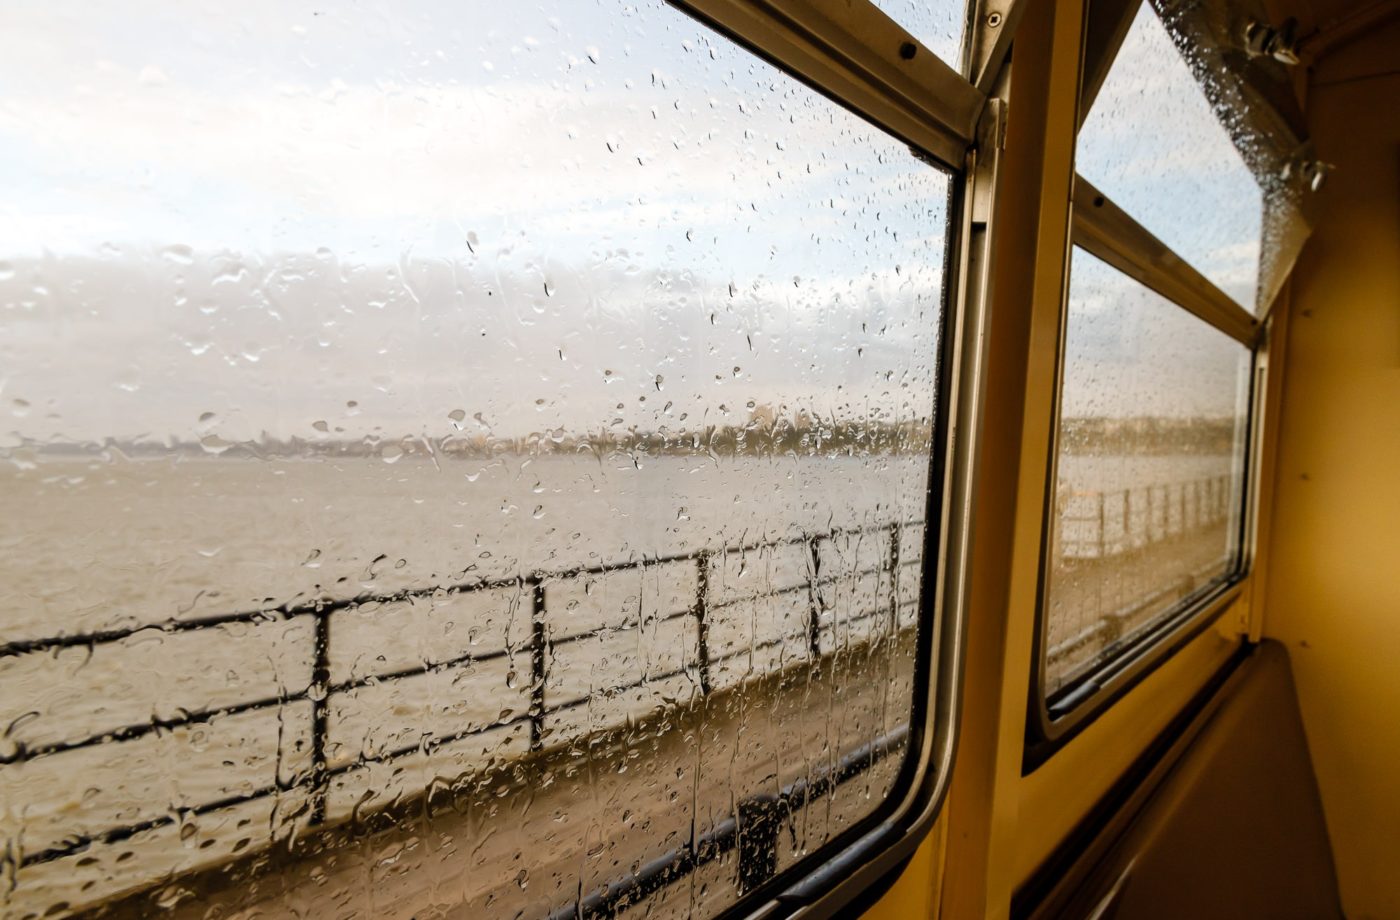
1029	230
912	896
1334	579
1056	796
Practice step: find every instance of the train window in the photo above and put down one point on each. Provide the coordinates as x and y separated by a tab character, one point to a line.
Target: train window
471	457
1154	145
1149	469
1145	497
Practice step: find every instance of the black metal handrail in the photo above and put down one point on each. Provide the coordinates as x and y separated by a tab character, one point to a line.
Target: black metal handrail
321	688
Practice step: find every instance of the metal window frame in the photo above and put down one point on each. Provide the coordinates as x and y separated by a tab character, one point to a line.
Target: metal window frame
1053	720
827	882
853	53
1104	230
991	26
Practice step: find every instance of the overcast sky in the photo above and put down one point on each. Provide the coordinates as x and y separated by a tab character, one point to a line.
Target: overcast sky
233	218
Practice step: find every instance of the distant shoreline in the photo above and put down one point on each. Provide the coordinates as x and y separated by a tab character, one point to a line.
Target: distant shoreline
1125	436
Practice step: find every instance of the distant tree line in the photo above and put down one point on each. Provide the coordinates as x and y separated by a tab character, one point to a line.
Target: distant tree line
1145	434
766	434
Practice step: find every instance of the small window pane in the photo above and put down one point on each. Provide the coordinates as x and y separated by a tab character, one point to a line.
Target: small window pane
937	24
454	455
1149	471
1153	144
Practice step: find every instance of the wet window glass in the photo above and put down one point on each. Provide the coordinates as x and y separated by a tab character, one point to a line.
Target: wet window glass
937	24
1154	145
456	459
1149	471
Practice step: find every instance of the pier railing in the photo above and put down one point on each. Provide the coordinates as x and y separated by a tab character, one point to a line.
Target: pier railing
1122	559
344	705
1098	524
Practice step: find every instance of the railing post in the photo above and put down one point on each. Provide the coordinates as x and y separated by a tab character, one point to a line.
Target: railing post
760	820
1131	538
814	609
1057	531
538	667
1127	521
1103	526
702	619
894	578
1181	519
320	693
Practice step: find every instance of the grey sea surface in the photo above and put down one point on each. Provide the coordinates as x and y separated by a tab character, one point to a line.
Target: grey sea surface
95	545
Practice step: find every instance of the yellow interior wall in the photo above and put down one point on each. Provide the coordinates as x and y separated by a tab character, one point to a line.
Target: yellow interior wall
1057	796
1334	577
915	893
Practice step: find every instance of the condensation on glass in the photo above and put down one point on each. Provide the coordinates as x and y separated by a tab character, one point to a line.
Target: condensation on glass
937	24
1153	143
454	456
1149	470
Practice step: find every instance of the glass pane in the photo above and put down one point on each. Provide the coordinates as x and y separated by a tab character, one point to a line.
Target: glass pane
937	24
1153	144
455	454
1149	475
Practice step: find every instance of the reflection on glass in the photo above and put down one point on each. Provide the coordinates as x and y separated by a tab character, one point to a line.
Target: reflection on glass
937	24
1150	467
453	455
1153	144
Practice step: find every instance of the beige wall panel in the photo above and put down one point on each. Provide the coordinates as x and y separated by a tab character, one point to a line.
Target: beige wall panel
1334	579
